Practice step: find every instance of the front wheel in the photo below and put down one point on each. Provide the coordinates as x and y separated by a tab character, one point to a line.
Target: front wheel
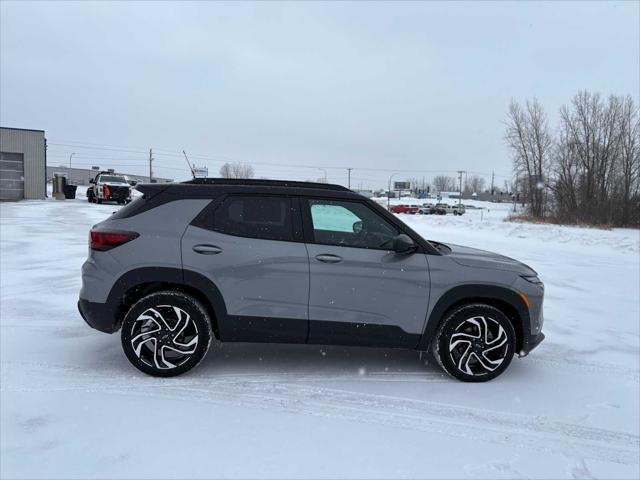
475	343
166	333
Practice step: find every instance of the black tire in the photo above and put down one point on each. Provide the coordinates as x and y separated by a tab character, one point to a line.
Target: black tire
470	358
154	319
90	195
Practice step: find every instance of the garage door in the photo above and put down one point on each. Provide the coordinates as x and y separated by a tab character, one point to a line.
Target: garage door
11	176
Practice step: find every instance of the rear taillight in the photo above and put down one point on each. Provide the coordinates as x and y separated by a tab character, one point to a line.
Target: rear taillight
106	240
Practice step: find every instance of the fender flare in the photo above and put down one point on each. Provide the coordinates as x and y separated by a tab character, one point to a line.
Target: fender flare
477	293
177	276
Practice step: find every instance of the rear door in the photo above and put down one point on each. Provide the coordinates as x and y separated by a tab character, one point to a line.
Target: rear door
251	248
361	291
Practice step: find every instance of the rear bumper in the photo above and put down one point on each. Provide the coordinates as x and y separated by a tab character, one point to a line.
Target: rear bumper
100	316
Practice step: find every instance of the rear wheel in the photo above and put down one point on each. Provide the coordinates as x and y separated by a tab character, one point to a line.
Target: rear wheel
475	343
166	333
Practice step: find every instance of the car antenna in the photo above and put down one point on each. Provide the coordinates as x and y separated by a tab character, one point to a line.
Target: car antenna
188	163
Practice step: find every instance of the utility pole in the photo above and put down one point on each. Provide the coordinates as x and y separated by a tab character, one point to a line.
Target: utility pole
493	177
349	181
150	162
460	172
389	190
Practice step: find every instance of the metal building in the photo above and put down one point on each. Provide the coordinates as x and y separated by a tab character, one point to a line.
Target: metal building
22	164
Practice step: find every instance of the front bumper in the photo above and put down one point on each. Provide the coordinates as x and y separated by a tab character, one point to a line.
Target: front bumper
530	343
117	194
100	316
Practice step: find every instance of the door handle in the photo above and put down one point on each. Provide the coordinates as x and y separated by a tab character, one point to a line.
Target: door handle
328	258
207	249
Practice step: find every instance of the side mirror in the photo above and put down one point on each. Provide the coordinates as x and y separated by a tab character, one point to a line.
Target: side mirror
403	244
357	226
133	183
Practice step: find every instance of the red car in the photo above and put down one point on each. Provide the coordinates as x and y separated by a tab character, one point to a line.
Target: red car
412	209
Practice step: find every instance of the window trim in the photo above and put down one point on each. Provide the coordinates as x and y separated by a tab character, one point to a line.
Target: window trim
309	231
205	219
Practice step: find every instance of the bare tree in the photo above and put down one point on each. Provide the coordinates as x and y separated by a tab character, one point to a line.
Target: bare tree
236	170
530	140
443	183
595	160
589	155
474	184
630	161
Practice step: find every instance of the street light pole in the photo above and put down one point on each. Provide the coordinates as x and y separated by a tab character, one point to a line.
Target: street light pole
70	161
389	190
460	172
325	174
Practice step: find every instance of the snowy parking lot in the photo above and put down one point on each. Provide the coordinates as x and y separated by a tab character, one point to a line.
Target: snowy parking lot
72	406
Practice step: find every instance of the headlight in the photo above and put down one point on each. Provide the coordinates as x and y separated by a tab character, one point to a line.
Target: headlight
533	279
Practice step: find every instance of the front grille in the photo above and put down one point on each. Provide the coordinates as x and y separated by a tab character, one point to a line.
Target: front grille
119	193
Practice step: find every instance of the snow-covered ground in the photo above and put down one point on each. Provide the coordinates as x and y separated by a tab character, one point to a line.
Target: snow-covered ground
72	406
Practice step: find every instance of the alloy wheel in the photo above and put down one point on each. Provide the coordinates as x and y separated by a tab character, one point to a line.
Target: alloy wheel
164	337
478	345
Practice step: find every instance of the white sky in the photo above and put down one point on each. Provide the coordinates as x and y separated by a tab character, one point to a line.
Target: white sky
372	86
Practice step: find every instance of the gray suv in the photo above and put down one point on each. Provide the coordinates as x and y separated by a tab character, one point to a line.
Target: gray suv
297	262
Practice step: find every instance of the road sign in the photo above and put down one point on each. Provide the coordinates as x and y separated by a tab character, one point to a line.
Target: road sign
401	186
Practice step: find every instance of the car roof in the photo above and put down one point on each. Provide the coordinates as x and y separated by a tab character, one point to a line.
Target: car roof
206	187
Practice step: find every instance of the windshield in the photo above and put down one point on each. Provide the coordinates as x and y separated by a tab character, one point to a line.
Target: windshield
112	179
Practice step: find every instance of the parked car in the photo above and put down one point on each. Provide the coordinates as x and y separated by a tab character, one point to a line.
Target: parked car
412	209
427	209
444	208
109	187
297	262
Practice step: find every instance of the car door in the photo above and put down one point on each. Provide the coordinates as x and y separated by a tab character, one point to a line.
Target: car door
361	291
250	248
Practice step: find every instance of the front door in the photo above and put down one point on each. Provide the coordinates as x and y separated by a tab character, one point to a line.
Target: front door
250	249
361	291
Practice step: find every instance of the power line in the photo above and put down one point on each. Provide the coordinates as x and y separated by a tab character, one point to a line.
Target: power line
168	153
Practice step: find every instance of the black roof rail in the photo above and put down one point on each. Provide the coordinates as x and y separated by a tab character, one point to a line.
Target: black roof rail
265	183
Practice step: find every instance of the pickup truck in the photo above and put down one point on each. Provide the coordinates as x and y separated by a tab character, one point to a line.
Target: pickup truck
444	208
412	209
109	187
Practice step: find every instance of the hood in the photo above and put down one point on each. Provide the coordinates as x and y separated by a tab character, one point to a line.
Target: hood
472	257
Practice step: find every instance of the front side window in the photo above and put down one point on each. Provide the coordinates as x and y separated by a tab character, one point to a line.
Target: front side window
350	224
255	216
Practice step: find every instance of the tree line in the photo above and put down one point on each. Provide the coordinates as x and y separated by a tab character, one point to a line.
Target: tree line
584	170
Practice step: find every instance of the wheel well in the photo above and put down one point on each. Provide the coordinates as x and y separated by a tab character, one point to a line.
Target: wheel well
134	294
505	307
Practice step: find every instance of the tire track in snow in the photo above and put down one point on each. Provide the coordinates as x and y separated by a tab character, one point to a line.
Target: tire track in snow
284	393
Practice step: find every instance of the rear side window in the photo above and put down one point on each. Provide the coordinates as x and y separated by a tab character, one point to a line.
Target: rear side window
263	217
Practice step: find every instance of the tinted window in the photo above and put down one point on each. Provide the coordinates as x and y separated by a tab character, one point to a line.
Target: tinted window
108	178
255	216
350	224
